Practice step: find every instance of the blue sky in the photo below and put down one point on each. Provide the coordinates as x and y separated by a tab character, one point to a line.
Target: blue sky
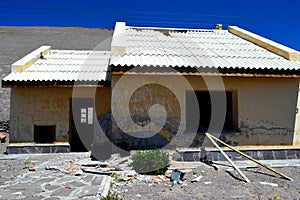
276	20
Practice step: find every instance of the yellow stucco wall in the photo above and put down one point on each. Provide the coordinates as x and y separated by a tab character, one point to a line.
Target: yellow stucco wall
297	123
266	107
46	105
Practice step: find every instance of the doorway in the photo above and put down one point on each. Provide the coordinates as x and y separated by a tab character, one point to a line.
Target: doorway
81	124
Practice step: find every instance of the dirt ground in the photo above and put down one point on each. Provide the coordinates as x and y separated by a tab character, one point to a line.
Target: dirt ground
216	184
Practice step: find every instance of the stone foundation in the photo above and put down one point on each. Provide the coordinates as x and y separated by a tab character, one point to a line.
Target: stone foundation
38	148
194	155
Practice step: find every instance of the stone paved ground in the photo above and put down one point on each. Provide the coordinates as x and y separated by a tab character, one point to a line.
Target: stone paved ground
54	177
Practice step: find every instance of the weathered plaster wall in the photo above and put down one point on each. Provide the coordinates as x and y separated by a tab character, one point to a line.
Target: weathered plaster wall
297	123
266	107
45	105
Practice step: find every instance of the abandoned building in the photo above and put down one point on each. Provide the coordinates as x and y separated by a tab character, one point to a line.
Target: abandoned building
157	87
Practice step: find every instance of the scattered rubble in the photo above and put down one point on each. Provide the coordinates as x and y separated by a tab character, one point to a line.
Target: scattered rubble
2	137
78	173
180	179
271	184
68	186
197	179
32	169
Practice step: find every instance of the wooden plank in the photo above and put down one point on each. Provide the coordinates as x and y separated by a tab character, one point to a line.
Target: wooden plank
249	157
229	160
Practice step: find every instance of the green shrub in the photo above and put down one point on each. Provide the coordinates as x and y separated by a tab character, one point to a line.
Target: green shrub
111	196
153	162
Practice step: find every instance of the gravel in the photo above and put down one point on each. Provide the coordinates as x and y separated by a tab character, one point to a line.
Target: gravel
214	184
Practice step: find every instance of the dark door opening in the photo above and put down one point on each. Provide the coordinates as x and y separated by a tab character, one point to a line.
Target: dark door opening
44	133
81	124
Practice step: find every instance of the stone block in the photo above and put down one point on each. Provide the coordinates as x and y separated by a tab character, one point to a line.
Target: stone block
280	154
45	149
13	150
60	149
215	156
29	149
268	155
234	155
292	154
258	155
177	156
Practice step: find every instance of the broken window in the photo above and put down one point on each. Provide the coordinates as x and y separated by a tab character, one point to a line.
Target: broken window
44	133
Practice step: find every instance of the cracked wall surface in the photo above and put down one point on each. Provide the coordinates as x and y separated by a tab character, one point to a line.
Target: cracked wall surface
46	105
266	107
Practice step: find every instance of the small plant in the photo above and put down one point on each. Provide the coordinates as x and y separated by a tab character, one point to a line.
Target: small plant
116	177
111	196
153	162
276	197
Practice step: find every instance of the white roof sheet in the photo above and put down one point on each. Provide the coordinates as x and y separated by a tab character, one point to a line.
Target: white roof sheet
196	48
66	65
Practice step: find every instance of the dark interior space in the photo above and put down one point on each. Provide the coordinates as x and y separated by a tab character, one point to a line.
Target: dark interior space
44	133
204	103
205	111
81	124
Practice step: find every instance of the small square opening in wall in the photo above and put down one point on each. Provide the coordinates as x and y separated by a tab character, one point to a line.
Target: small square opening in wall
44	133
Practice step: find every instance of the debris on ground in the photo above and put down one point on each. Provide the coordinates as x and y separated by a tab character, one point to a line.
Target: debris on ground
68	186
32	169
2	137
177	175
96	171
78	172
197	179
271	184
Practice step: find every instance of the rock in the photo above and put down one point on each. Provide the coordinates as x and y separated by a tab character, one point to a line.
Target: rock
229	170
94	171
138	195
32	169
52	168
127	179
68	186
78	173
131	173
207	183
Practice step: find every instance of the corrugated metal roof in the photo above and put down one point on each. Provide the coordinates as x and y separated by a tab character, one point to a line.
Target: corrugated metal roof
196	48
66	65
